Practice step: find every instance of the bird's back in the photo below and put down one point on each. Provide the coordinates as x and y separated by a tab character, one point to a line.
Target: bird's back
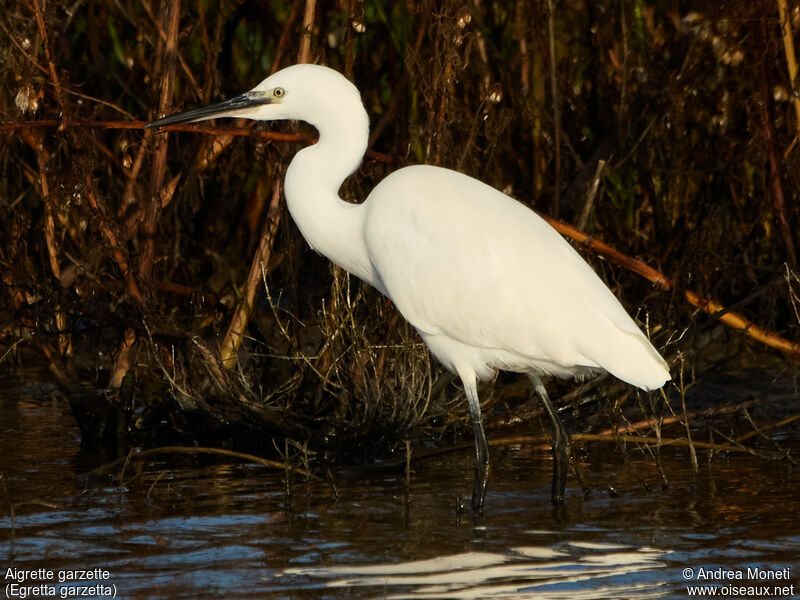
485	279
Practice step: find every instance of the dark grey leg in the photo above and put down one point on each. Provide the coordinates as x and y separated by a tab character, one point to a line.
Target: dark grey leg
560	443
481	445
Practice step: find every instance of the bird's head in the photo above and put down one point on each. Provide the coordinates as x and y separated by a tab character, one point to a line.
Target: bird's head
305	92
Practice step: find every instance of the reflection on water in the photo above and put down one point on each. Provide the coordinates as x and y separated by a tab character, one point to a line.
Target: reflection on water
526	572
179	527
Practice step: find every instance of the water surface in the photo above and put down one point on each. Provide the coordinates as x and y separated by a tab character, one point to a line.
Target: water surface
187	527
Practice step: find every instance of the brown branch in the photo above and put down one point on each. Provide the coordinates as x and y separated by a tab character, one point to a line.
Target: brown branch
556	108
207	51
791	60
283	41
522	29
116	248
275	136
153	204
763	428
46	123
163	35
233	338
53	251
123	361
304	55
132	173
37	12
662	442
713	308
681	418
42	158
206	156
62	372
773	153
591	193
64	337
632	264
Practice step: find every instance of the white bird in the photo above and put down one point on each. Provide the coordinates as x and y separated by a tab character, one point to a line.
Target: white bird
486	282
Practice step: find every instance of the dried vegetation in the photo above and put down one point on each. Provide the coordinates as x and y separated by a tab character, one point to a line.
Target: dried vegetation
667	130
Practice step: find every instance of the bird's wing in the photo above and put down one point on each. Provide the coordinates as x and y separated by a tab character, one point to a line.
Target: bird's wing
461	259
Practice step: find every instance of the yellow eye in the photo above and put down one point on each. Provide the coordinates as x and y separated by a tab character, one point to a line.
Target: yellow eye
279	92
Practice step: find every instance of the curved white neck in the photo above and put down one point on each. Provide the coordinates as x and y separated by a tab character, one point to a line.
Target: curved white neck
330	225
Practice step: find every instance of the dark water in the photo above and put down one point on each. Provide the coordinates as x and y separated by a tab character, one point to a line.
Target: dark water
181	527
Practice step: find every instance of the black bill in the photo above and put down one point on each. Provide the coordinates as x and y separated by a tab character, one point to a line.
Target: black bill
226	108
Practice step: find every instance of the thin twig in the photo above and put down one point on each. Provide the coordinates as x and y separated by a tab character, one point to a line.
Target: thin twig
272	464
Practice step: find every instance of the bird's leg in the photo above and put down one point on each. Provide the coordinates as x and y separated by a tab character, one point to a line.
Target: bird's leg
481	445
560	443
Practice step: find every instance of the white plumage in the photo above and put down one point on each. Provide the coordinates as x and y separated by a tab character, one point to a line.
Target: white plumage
485	281
492	286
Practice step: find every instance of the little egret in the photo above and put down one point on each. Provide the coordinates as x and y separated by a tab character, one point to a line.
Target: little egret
485	281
